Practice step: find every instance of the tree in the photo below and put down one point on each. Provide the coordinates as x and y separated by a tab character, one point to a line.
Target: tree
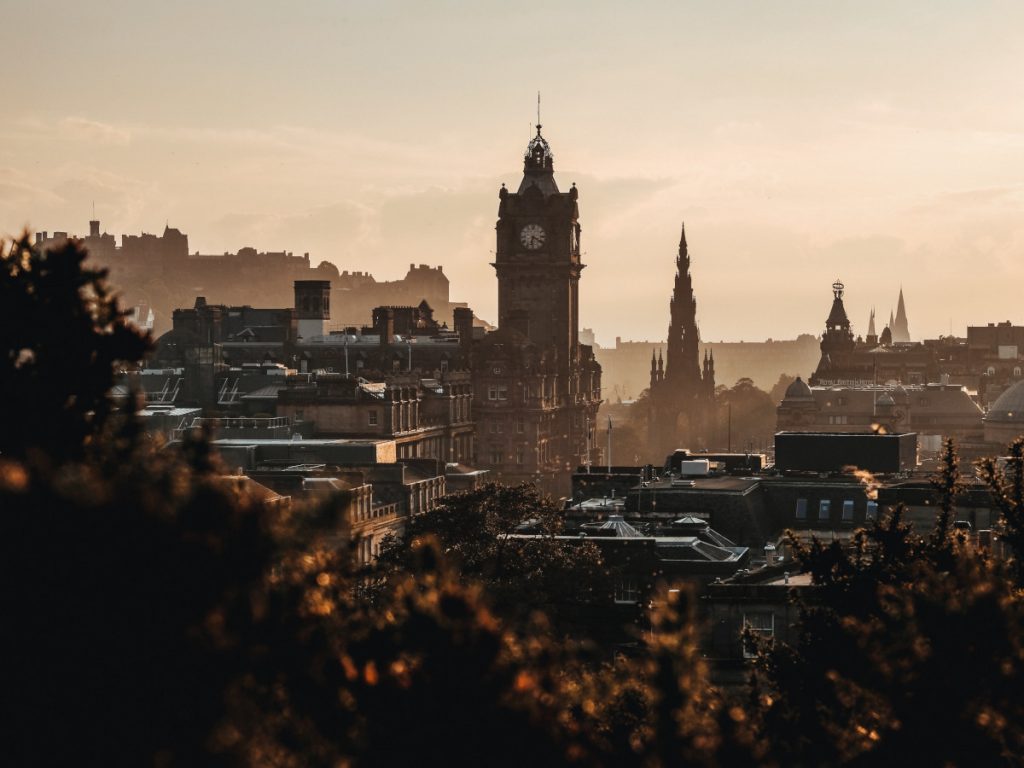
1006	484
477	530
778	392
746	415
63	335
907	646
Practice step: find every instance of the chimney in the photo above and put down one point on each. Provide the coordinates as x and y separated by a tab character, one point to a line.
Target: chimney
464	327
386	325
40	238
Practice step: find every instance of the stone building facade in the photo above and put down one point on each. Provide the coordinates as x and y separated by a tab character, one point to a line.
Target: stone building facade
537	388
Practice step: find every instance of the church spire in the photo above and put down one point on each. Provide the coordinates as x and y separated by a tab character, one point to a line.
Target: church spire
900	331
683	336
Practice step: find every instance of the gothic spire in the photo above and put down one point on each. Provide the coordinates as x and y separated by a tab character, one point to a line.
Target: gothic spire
683	336
900	331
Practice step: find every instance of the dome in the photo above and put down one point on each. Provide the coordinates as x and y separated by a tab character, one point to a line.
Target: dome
885	399
1009	406
798	390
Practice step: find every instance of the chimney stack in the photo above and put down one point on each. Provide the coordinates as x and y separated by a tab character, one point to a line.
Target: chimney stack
464	327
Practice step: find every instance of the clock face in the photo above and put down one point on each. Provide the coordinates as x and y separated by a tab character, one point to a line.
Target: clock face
532	236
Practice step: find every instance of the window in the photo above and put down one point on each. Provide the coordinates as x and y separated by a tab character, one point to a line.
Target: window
824	509
520	426
495	456
991	371
444	366
762	624
872	513
500	427
801	509
502	392
520	454
491	428
371	418
1016	371
626	590
848	511
840	401
299	414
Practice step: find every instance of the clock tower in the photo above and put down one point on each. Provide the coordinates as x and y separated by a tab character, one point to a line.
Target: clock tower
536	389
538	256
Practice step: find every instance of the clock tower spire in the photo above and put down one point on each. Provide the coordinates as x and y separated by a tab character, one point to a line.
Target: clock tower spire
538	256
539	388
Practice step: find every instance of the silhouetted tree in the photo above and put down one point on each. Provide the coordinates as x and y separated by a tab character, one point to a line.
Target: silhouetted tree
1005	480
751	412
477	530
778	392
62	334
906	647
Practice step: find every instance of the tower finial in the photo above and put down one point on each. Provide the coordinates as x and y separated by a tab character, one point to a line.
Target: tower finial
538	113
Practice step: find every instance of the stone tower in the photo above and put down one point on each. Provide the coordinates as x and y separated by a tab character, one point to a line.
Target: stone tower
681	397
837	342
536	387
538	256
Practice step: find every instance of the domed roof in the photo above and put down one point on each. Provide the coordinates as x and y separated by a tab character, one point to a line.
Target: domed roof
1009	406
798	390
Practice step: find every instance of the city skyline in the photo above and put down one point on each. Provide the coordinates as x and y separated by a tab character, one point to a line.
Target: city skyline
894	162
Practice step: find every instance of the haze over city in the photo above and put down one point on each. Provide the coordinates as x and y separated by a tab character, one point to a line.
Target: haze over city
374	135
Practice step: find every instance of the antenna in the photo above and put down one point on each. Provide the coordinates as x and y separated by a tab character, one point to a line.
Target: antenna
538	109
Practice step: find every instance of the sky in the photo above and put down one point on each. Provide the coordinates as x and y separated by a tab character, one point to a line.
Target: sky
881	143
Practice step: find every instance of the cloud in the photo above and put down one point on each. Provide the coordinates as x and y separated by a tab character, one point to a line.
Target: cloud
83	129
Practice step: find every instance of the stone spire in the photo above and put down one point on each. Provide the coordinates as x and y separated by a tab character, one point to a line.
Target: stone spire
871	324
900	331
683	365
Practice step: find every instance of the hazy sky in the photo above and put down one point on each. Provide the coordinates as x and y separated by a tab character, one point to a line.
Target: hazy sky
879	142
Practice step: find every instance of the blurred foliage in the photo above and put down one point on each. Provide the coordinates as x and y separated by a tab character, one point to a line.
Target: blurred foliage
62	335
522	575
162	613
908	648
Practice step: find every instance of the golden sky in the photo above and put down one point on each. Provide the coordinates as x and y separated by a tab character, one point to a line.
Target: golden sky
879	142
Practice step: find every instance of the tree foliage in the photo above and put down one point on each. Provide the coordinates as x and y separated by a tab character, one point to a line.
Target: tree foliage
906	646
746	415
477	531
62	337
164	614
